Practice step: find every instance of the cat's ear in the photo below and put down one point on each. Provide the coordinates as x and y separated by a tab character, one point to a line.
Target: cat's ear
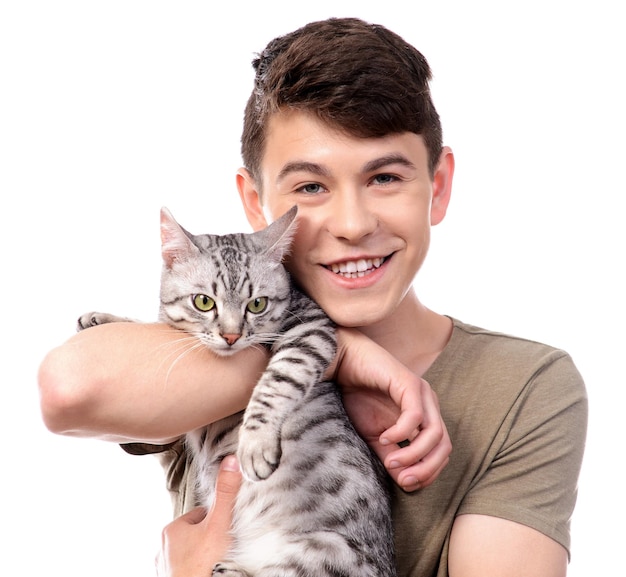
175	242
278	236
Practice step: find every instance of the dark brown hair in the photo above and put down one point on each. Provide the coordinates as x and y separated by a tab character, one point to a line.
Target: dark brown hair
360	77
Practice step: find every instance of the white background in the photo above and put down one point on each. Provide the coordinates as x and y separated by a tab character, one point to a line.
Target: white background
110	110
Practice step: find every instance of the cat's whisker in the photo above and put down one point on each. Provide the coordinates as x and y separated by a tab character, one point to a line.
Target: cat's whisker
174	347
295	315
259	347
177	350
267	337
195	346
185	338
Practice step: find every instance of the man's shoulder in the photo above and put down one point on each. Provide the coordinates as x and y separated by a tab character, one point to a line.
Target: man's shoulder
487	358
493	345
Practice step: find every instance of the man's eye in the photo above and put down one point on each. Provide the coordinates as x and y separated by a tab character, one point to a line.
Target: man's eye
384	179
311	188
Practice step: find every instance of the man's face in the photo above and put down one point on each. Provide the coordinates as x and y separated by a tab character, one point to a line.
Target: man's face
364	213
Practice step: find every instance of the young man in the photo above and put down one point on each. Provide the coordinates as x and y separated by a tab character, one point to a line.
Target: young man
341	123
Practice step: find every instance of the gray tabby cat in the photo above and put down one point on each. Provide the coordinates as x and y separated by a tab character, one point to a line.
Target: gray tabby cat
325	510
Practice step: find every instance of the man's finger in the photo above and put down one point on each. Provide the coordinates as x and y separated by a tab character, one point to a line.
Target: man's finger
229	477
228	483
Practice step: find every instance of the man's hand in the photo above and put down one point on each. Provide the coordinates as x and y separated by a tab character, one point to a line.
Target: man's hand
394	410
194	542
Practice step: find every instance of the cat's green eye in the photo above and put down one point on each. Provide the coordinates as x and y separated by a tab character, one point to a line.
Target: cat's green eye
257	305
203	303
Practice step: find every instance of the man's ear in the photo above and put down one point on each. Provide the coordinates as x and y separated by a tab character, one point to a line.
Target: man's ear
442	186
250	199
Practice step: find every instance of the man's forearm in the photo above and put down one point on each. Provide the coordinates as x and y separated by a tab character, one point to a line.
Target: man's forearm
141	382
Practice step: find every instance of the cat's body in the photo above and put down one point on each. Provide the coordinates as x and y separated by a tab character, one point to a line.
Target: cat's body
314	501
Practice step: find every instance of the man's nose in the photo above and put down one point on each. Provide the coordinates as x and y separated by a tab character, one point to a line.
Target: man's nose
351	216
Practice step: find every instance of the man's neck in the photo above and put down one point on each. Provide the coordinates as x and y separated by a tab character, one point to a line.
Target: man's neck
414	334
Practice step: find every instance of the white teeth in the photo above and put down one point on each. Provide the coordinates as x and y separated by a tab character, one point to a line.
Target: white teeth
356	268
362	266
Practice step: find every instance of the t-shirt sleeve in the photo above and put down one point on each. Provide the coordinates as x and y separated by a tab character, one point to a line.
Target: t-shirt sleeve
533	476
177	467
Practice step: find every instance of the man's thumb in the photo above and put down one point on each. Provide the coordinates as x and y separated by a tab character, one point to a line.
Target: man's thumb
228	480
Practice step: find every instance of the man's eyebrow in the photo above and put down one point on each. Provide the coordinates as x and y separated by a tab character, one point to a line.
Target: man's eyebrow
383	161
301	166
319	170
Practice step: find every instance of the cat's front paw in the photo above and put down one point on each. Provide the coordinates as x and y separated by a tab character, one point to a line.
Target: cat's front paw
228	570
93	319
259	452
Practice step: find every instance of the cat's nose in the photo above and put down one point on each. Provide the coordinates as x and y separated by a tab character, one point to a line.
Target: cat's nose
231	338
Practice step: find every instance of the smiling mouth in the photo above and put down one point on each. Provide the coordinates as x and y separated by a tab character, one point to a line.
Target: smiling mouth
356	268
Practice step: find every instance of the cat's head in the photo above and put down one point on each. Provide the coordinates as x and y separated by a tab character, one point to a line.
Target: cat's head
231	291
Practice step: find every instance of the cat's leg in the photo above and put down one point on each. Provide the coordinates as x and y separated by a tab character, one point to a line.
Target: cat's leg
93	319
260	449
300	355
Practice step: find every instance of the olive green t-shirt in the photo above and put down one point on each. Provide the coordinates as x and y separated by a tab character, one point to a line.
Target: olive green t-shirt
516	412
